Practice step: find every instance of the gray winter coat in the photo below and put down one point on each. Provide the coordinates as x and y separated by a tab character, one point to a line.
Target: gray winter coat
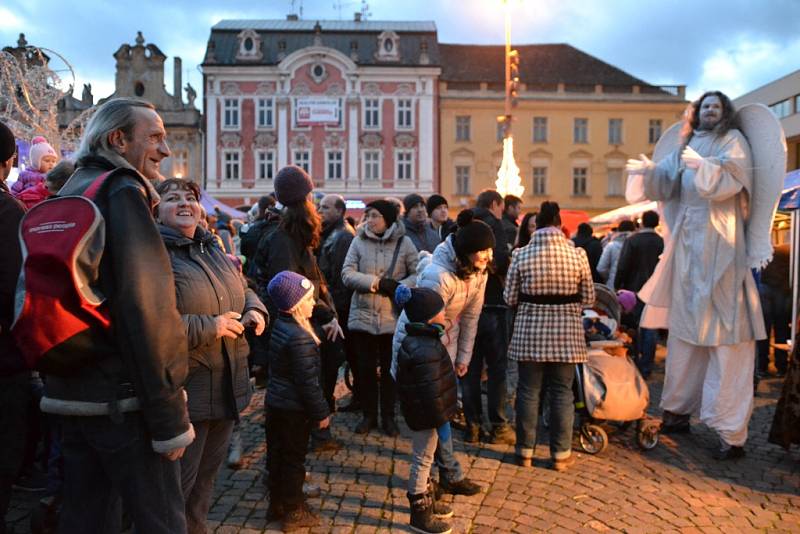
366	263
463	300
207	284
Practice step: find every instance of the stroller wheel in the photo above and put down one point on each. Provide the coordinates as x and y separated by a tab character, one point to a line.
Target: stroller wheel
593	439
647	435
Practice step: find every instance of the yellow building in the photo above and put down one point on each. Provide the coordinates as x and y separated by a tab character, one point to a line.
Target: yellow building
577	121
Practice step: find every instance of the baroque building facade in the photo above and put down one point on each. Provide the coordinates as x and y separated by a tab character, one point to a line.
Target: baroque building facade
577	121
352	102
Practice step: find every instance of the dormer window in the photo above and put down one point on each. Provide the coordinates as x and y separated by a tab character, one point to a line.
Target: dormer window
388	47
318	72
249	46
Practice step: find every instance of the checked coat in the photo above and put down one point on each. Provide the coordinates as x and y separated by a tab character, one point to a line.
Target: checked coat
549	265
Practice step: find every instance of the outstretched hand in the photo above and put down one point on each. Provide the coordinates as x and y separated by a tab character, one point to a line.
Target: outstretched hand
638	166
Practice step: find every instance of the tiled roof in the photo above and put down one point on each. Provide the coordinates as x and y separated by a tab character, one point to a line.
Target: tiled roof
540	65
294	35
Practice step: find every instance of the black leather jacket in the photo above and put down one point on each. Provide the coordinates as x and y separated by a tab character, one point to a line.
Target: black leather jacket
294	370
336	240
426	381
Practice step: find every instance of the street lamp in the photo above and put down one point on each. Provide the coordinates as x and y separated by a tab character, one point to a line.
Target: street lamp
509	181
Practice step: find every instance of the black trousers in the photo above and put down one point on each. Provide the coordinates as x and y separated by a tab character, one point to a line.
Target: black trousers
374	350
287	442
14	398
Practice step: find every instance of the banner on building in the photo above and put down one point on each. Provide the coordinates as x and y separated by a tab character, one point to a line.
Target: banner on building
316	110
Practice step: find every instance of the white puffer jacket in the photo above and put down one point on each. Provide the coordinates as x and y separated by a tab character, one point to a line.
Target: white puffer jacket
366	263
463	300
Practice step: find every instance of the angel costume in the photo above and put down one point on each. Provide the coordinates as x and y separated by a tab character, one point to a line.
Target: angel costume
703	278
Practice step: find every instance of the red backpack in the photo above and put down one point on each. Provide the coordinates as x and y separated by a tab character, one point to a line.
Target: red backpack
57	301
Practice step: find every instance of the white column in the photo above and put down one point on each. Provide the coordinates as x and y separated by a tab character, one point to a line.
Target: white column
283	134
426	141
211	138
352	146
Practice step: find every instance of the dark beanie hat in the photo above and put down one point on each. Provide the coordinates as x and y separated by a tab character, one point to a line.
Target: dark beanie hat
419	303
292	185
287	289
7	143
472	235
411	200
385	208
434	201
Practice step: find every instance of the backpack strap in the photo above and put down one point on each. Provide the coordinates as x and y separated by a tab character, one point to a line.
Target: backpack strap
91	191
390	270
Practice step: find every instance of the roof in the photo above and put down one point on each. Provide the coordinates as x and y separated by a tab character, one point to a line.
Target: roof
327	25
540	64
294	35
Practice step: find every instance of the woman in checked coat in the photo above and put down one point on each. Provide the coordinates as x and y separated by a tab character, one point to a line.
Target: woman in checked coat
549	282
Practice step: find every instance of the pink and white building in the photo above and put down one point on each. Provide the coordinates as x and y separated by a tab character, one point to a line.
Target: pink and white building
353	102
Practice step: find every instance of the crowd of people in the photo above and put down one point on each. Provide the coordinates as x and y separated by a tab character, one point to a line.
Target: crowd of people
424	309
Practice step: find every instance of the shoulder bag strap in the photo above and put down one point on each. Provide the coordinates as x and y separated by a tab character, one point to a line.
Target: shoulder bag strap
390	270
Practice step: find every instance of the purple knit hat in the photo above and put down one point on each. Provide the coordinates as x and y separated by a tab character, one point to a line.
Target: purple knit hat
287	289
626	299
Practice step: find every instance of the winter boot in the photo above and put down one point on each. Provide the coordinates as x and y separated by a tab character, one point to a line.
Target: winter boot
299	516
440	510
422	519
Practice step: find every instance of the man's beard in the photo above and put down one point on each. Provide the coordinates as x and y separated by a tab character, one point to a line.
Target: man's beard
706	124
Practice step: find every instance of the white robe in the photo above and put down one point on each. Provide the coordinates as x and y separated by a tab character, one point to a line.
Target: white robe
702	276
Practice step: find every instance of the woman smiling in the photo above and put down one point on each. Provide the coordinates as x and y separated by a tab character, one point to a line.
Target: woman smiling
216	306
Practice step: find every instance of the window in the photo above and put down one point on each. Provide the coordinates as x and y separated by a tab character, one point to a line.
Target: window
782	109
372	165
231	115
539	181
333	165
797	104
462	180
614	131
265	164
405	165
654	131
302	158
265	113
540	129
231	161
404	114
372	113
615	188
580	131
579	181
462	128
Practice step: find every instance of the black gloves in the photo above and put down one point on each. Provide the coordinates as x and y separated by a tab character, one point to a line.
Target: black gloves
387	286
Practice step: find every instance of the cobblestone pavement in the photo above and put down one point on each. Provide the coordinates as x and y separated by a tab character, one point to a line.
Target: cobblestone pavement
676	487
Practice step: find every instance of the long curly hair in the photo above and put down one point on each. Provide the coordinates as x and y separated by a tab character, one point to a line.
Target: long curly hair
303	224
691	117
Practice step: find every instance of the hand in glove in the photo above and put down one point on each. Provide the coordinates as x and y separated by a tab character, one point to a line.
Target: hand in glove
691	158
638	166
387	286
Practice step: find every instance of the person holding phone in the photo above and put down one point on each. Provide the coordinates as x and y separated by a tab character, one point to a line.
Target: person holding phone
216	307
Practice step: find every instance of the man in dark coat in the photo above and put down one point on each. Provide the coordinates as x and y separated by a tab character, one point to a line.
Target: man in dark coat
637	261
594	249
127	421
337	234
491	342
512	206
14	376
415	220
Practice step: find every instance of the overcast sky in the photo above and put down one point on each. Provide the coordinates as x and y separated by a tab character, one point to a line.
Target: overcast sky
732	45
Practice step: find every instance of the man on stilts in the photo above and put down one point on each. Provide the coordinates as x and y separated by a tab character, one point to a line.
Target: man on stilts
718	205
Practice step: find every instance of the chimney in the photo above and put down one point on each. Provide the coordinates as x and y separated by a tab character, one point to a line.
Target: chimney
292	16
176	77
357	16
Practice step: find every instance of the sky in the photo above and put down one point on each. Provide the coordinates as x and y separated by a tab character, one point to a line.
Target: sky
732	45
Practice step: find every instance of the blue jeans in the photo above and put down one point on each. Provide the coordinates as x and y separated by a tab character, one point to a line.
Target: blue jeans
101	456
646	350
557	379
445	458
776	306
491	346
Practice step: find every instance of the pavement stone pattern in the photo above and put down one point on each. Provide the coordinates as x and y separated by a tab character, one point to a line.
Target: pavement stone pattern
676	487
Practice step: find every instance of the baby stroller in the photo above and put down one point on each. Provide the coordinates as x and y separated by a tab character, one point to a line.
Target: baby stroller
609	387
